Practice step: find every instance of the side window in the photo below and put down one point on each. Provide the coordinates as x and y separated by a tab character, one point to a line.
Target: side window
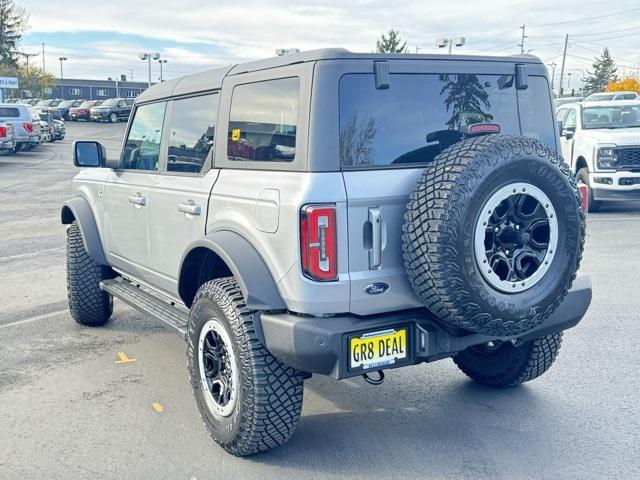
263	121
142	148
191	133
561	114
570	121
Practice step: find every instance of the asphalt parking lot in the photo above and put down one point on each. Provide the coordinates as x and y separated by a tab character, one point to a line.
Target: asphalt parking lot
69	410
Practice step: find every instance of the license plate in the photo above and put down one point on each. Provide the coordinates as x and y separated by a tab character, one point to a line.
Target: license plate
378	349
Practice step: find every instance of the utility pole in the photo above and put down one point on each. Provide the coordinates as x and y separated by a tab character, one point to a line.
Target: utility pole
553	73
27	56
564	59
521	44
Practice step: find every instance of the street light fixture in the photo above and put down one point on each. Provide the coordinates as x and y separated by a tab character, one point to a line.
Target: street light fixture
62	59
457	41
161	61
148	57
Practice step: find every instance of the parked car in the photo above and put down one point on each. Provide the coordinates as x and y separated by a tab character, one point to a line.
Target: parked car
112	110
83	111
57	128
564	100
304	215
40	125
7	143
26	130
601	142
65	106
609	96
29	101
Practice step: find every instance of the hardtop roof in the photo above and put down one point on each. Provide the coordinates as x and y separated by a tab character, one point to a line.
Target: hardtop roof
212	79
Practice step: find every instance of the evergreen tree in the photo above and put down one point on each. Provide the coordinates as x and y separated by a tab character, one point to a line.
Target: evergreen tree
604	72
465	99
391	43
13	21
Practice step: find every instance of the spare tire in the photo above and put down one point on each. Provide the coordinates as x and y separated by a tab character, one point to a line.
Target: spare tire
493	234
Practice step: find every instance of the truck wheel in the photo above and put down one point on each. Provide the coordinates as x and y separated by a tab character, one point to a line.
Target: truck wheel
583	176
113	118
87	303
248	400
503	365
493	234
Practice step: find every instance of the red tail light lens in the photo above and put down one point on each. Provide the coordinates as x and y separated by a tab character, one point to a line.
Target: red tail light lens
318	242
3	131
28	127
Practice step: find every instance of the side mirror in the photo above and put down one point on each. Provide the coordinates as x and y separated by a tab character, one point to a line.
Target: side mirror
88	154
568	132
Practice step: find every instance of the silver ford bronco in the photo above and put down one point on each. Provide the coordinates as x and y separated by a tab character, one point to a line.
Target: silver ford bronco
339	214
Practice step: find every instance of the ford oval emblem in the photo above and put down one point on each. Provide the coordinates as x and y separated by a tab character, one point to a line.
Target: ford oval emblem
377	288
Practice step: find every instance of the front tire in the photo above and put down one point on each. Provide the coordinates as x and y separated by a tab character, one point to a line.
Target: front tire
583	176
113	118
505	365
248	400
87	303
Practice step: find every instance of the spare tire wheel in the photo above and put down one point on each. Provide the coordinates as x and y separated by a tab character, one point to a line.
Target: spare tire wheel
493	234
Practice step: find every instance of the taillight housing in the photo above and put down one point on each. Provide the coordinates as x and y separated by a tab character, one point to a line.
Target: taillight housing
3	132
318	242
28	127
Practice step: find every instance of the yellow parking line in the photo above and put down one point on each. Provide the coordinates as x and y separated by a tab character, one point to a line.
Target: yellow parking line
124	359
158	407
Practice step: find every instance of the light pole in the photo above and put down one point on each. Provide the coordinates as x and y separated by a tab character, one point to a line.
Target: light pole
569	81
457	41
62	59
148	57
161	61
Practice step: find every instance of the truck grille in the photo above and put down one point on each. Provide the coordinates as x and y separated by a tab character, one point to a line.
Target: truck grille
629	158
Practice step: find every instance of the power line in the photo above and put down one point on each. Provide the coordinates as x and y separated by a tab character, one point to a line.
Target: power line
588	18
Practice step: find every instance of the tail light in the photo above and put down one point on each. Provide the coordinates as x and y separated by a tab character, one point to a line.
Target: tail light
3	132
28	127
584	193
318	242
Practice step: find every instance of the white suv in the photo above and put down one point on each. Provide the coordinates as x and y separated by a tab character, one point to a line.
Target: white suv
601	142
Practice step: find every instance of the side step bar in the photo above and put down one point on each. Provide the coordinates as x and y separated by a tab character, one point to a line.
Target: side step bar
147	303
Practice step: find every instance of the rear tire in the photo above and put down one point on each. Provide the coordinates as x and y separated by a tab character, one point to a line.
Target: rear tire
583	176
248	400
87	303
506	365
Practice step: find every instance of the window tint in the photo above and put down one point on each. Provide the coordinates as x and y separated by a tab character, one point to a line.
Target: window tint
536	112
9	112
191	133
263	119
142	148
422	114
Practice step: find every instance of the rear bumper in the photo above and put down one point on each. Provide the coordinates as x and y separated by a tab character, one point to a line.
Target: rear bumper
7	144
320	345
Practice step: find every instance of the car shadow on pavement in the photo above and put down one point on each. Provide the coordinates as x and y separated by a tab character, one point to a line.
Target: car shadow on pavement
447	428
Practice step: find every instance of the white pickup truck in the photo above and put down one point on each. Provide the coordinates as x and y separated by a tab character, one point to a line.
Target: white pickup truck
601	142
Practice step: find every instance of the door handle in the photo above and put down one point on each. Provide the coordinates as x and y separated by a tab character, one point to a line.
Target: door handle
189	207
137	199
375	252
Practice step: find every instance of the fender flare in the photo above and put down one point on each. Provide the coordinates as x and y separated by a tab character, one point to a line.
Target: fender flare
77	209
258	287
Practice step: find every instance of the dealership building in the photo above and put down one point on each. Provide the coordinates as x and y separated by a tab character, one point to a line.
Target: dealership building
73	88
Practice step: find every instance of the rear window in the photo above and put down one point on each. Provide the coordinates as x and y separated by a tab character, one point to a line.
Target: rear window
263	121
422	114
9	112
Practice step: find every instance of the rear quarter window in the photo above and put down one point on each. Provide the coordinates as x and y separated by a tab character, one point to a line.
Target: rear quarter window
263	121
9	112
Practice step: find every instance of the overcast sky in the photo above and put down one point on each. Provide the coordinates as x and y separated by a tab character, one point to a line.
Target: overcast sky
102	39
